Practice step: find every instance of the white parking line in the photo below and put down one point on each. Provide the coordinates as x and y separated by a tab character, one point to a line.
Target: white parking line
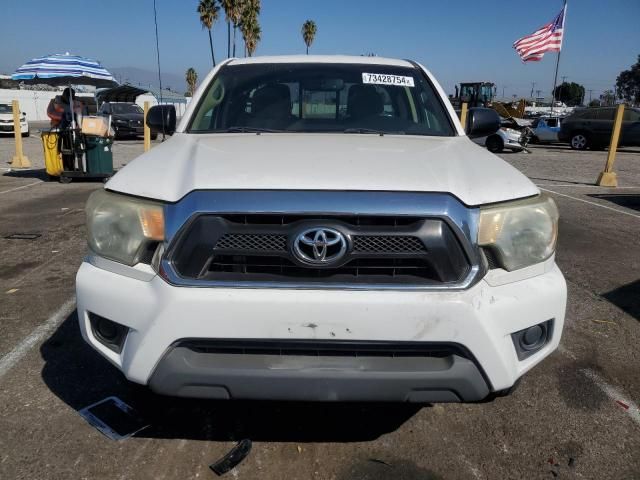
591	203
20	188
616	395
37	335
620	399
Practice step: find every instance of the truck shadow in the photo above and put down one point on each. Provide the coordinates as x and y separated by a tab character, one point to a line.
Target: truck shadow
627	200
79	376
627	298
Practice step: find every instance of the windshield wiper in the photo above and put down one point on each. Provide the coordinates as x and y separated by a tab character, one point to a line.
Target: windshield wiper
239	129
371	131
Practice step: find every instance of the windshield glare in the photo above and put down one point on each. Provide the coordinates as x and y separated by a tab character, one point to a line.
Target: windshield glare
321	98
125	108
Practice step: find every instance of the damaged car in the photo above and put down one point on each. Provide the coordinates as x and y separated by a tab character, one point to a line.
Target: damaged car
322	228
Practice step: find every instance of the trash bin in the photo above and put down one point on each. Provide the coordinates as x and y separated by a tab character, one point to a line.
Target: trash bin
52	157
99	155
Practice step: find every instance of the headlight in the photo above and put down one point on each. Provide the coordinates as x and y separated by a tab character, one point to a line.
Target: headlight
520	233
119	227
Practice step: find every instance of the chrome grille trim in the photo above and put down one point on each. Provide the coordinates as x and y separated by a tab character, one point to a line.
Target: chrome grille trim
318	204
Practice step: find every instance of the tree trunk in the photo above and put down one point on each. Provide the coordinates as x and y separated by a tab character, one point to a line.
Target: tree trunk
307	49
234	39
213	58
228	38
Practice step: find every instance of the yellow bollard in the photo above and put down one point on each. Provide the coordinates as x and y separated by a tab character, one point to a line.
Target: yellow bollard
607	177
147	131
463	115
19	160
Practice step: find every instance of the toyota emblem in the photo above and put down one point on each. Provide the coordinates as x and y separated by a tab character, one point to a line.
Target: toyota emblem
320	246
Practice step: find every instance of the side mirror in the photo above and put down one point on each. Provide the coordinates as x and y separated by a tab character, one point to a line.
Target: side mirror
482	122
162	119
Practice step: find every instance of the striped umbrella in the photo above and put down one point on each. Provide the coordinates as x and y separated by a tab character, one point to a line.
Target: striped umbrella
64	69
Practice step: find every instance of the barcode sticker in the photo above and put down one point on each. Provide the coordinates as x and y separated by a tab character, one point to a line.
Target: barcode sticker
385	79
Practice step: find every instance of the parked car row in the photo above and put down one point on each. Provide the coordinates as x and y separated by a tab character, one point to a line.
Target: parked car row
127	119
582	129
592	128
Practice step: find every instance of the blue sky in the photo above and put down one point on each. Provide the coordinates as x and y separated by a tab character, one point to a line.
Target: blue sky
458	40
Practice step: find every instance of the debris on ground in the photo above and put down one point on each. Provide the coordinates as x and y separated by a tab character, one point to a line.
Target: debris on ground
113	418
23	236
236	455
622	404
299	449
604	321
12	290
382	462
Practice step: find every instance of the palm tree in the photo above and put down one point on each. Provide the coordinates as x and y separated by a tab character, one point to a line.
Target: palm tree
236	18
227	6
249	25
254	33
208	11
191	76
309	30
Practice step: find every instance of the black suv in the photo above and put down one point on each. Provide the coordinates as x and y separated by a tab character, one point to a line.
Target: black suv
592	127
127	119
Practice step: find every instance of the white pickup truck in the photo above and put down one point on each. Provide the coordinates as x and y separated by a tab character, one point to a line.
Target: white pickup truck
321	228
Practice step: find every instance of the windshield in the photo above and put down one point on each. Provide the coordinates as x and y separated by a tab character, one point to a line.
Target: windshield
125	108
5	108
322	97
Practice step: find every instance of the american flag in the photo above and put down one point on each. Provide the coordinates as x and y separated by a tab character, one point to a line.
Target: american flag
546	39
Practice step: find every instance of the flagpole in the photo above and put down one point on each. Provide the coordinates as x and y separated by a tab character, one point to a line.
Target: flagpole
555	78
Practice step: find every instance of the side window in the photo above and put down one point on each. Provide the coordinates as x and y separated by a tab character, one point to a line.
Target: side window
605	114
552	122
535	123
589	114
631	115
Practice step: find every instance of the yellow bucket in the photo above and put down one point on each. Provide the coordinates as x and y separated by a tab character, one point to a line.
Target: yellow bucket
52	157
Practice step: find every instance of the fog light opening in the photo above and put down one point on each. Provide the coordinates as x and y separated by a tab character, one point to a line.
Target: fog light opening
531	339
111	334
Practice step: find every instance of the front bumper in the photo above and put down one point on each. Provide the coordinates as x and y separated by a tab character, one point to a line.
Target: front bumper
8	127
129	129
480	320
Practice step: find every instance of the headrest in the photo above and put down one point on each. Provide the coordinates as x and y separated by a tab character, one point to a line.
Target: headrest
272	99
364	101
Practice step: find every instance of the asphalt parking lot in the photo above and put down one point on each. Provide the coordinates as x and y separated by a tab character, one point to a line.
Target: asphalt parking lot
574	416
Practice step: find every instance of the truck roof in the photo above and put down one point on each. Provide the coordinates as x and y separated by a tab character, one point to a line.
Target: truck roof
322	59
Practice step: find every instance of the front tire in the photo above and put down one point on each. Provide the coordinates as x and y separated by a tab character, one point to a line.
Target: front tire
494	144
26	134
579	141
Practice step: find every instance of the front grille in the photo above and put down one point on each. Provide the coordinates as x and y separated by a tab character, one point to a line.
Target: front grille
243	241
259	248
387	244
324	348
393	268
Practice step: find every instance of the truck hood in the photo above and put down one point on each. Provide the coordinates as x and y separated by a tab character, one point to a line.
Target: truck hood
298	161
